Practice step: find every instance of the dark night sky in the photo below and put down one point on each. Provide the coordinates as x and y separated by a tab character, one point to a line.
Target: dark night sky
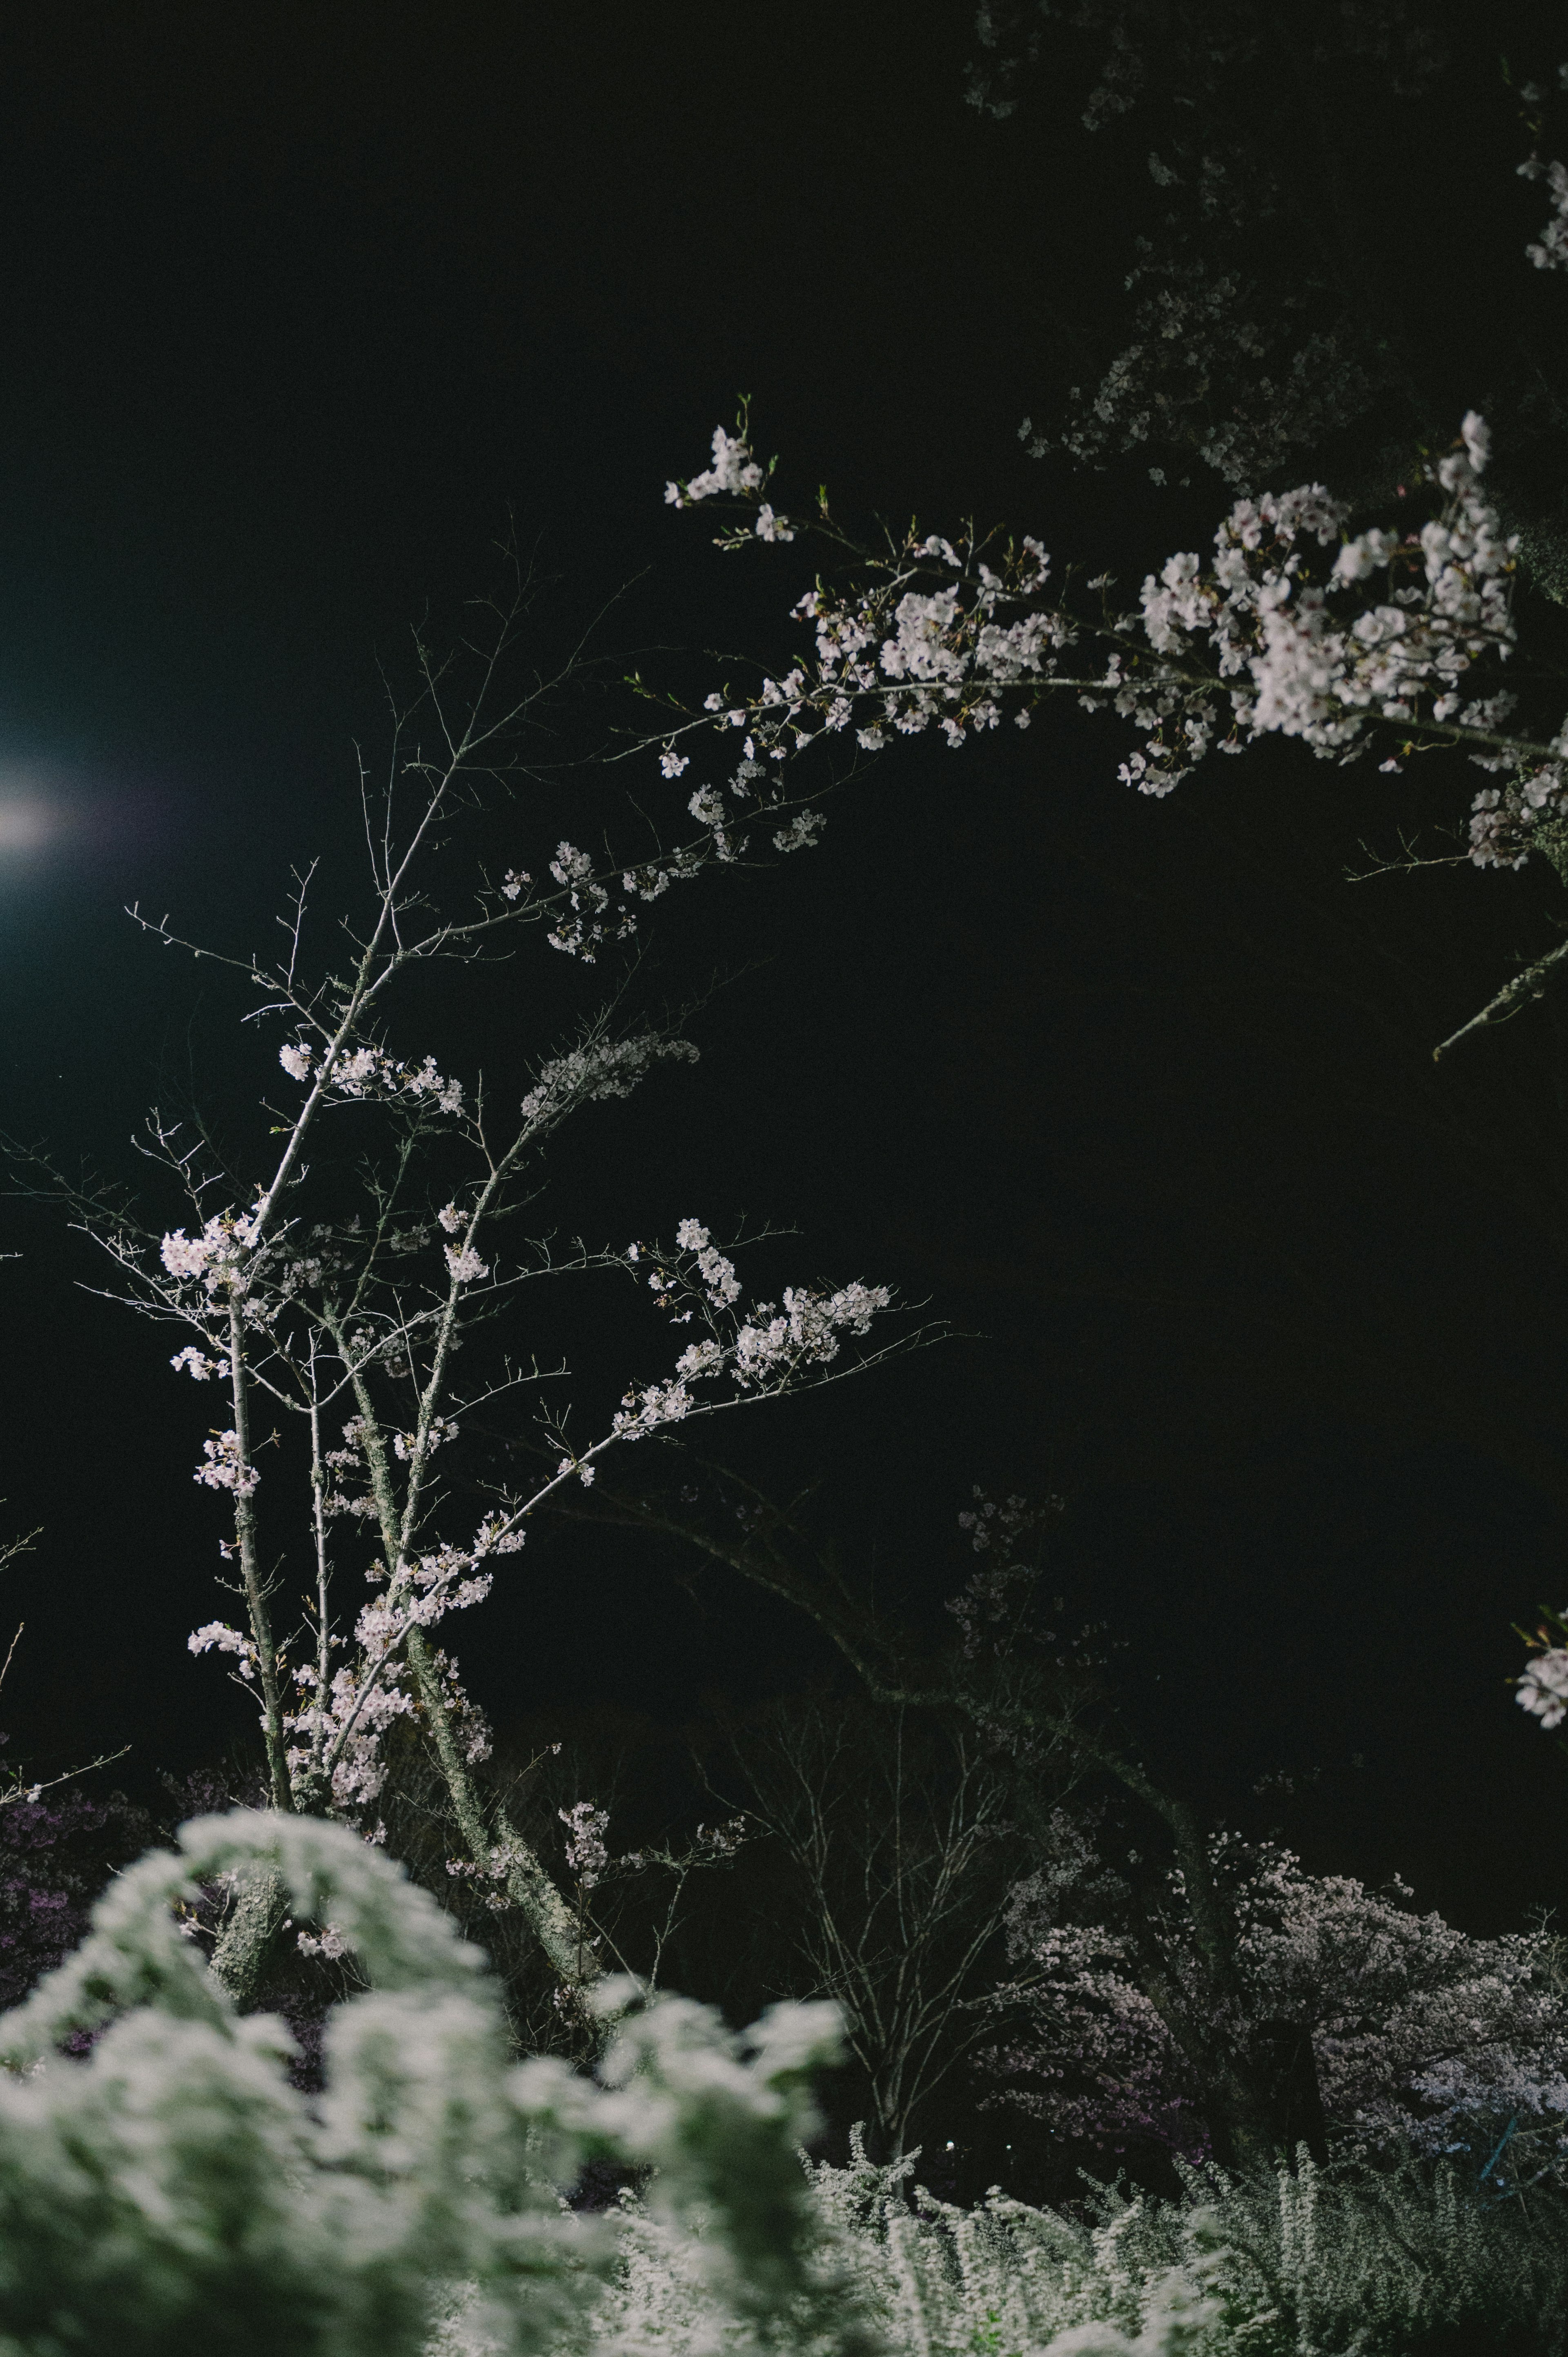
296	302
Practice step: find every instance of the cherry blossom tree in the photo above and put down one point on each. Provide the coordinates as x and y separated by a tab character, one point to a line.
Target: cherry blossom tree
1264	305
1379	619
1419	2035
1351	641
336	1291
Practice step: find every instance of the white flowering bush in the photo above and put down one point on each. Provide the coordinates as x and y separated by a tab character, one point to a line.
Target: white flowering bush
171	2188
1423	2037
1309	2261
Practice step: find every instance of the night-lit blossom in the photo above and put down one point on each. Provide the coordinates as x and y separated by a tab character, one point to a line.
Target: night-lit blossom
586	1826
801	832
1551	250
332	1945
465	1263
221	1468
717	1273
1269	638
761	1351
1007	1520
734	470
217	1637
599	1069
1422	2034
218	1255
440	1430
578	934
370	1071
326	1293
1543	1687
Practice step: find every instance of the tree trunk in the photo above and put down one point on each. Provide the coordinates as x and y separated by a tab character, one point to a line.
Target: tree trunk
245	1948
529	1886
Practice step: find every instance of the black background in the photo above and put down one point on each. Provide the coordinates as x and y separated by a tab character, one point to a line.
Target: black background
295	303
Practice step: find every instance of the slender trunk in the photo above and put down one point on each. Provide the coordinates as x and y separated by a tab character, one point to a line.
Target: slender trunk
529	1884
241	1956
557	1927
312	1788
247	1534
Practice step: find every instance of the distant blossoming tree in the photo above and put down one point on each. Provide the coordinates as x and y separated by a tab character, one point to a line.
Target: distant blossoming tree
1419	2034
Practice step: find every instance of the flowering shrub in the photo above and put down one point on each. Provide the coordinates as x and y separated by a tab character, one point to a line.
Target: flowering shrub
1422	2036
56	1855
173	2185
1310	2264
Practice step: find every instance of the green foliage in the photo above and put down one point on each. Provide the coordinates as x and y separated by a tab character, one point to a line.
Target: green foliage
1342	2263
173	2187
1348	2262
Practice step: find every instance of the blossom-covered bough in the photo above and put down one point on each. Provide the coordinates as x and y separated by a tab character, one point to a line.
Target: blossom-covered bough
338	1295
171	2186
1383	641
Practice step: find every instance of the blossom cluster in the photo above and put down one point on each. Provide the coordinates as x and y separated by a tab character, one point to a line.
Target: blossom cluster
762	1353
592	915
993	1606
464	1264
587	1856
1551	250
368	1072
1237	346
1199	326
502	1860
1543	1686
217	1637
222	1467
598	1069
345	1723
346	1464
332	1944
218	1257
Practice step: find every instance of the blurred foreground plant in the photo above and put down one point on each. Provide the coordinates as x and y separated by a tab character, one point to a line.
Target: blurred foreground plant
171	2185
